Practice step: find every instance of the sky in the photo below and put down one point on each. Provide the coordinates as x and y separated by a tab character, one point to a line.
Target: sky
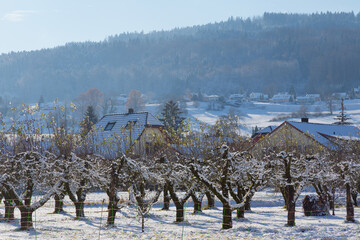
36	24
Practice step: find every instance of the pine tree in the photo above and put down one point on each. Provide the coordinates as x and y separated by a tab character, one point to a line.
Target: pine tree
292	92
172	116
342	118
41	101
90	118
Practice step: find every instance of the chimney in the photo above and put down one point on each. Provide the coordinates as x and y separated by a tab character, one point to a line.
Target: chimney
131	110
305	120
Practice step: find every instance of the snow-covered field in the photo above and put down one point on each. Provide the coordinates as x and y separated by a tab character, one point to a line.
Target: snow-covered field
266	221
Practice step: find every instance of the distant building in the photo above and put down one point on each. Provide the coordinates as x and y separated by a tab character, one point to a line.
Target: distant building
211	98
308	99
281	98
356	92
340	95
304	100
315	96
235	99
238	97
256	96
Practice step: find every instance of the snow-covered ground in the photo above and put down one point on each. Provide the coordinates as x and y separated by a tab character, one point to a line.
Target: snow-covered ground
266	221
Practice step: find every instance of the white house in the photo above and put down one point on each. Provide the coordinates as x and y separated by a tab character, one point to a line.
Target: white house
211	98
315	96
256	96
304	100
340	95
235	99
281	98
237	96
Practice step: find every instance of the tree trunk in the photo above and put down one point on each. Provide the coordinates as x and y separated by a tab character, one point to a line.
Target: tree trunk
248	204
285	196
142	223
111	215
9	210
79	206
349	204
166	199
210	200
291	205
331	202
112	210
354	197
26	219
113	202
59	203
179	212
197	204
227	218
240	213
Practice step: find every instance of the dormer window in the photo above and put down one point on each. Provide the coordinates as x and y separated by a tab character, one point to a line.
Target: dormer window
130	124
109	126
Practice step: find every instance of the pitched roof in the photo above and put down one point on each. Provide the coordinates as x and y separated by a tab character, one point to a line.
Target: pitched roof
266	130
138	122
323	133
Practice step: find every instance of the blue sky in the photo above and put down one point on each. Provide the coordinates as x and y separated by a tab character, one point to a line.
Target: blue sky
36	24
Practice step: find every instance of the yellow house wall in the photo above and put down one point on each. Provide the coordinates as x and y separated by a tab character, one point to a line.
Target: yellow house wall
149	135
286	138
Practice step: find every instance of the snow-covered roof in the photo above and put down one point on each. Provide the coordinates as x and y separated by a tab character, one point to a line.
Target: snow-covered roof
255	95
266	130
340	94
120	124
324	132
313	95
236	96
304	98
281	96
213	97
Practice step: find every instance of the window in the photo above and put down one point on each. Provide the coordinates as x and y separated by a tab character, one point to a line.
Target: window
109	126
130	124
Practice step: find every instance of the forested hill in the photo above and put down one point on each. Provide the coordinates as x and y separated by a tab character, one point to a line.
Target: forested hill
313	53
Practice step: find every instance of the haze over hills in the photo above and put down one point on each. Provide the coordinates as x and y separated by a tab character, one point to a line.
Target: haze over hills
314	53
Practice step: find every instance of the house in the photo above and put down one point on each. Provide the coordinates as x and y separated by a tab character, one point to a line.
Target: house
308	99
211	98
235	100
281	98
356	92
256	96
237	97
262	133
304	100
340	95
138	132
315	96
305	137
